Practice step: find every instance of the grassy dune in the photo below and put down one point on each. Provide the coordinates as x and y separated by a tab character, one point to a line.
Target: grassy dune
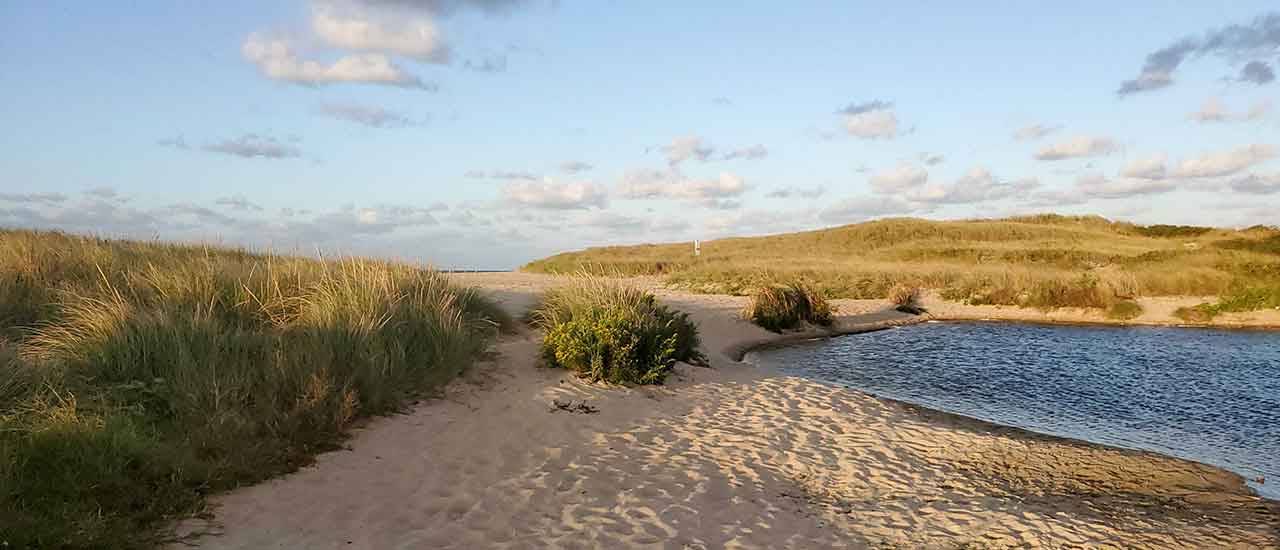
1041	261
138	378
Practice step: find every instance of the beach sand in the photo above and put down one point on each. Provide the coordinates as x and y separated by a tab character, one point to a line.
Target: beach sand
731	456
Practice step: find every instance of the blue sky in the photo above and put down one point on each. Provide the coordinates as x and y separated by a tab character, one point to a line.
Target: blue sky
486	133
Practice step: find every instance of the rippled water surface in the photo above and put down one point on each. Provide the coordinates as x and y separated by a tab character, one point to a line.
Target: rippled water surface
1206	395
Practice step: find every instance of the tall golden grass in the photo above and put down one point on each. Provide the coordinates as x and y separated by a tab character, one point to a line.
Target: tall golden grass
1041	261
138	378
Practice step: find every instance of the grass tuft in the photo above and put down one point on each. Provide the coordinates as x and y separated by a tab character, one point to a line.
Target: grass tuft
1124	310
782	307
136	379
907	298
605	331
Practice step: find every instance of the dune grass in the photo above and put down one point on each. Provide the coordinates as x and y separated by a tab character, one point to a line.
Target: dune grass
606	331
1044	261
136	379
783	307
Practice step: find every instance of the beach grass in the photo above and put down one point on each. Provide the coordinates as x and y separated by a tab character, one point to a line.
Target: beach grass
137	379
786	306
1044	261
606	331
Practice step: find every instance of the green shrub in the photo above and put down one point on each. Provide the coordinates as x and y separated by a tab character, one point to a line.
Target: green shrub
138	378
1124	310
781	307
604	331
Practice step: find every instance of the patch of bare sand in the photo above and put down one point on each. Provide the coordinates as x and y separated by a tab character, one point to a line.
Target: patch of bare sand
731	456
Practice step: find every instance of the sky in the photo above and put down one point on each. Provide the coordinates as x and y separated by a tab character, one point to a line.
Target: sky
487	133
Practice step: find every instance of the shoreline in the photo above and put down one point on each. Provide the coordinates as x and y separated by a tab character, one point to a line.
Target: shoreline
732	455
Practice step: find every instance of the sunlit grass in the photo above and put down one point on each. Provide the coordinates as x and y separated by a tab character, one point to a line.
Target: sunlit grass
137	378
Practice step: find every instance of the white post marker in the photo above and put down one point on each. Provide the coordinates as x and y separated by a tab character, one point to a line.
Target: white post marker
697	248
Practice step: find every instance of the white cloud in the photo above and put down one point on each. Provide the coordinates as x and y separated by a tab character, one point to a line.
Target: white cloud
238	202
754	152
276	60
33	198
1257	184
899	178
373	117
1213	110
687	147
978	185
1077	147
555	196
1225	163
254	146
574	167
1035	131
878	123
1147	168
1097	185
654	184
801	192
362	30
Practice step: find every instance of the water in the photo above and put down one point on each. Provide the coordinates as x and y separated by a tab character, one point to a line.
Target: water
1207	395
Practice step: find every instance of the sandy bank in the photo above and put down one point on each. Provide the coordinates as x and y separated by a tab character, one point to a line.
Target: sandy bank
729	456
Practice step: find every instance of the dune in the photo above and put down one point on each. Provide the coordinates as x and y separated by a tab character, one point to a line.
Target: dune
732	456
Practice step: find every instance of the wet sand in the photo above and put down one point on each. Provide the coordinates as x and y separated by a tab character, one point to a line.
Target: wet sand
727	456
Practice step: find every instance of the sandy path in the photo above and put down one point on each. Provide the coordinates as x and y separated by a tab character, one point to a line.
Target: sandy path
725	457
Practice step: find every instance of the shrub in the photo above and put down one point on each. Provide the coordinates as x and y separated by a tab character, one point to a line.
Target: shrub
1124	310
604	331
137	378
781	307
906	298
1202	313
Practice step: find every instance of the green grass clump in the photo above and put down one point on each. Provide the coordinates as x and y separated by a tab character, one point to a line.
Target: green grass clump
782	307
604	331
907	298
1202	313
136	379
1124	310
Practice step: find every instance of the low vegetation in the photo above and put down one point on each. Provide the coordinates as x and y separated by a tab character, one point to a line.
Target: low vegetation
136	379
782	307
605	331
1044	261
907	298
1124	310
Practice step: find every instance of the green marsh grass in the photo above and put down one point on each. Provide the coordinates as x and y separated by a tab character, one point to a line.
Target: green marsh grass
782	307
136	378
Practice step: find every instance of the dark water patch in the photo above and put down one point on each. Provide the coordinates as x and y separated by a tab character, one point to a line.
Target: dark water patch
1207	395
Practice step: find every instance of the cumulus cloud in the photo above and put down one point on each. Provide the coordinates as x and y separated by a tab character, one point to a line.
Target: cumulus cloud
687	147
1034	132
254	146
1256	39
1147	168
899	178
373	117
1257	184
1077	147
1057	198
932	159
977	185
1224	163
1097	185
611	222
858	209
575	167
658	184
874	124
753	152
1213	110
276	60
552	195
801	192
448	7
371	31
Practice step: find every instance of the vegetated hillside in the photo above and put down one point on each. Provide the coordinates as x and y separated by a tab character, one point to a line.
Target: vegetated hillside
1041	261
137	378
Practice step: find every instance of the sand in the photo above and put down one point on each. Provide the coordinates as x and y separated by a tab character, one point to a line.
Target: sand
732	456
